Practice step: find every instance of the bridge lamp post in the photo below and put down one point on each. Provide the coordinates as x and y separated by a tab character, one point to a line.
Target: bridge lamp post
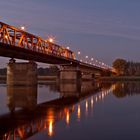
79	55
22	28
92	60
96	62
103	64
68	48
86	58
100	64
51	40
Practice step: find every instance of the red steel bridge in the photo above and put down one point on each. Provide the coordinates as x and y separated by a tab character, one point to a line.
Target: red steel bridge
17	43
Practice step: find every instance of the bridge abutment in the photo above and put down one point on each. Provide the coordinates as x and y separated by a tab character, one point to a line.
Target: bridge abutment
21	73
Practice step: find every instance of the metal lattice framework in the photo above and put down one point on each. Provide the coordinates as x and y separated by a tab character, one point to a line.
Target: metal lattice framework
19	38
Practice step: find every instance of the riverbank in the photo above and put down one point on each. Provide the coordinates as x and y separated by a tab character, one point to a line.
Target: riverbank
112	78
47	78
40	78
121	78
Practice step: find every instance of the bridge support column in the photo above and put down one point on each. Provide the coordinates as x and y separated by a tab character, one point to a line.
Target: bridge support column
21	73
70	74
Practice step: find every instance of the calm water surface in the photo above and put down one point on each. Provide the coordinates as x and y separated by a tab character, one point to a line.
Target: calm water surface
89	110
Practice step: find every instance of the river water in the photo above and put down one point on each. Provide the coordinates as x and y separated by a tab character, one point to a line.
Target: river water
69	111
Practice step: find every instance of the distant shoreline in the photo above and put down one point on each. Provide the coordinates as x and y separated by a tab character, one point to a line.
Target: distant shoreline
42	78
113	78
121	78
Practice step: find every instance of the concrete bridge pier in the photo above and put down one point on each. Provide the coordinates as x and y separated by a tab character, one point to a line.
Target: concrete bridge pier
21	74
70	74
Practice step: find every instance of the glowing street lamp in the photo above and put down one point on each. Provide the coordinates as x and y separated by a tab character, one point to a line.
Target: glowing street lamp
51	40
86	59
6	36
79	52
22	28
68	48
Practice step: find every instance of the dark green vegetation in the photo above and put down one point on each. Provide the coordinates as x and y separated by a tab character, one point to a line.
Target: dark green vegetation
126	68
51	71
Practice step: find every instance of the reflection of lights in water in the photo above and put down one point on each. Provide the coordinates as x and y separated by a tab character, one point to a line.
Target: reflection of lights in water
99	96
96	99
73	108
50	131
79	112
86	107
91	102
21	133
102	95
113	87
50	119
67	117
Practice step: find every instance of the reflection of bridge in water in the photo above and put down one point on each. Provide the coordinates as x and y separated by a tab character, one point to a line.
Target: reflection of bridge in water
21	97
24	123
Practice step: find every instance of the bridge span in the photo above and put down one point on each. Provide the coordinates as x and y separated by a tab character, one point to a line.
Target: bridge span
17	43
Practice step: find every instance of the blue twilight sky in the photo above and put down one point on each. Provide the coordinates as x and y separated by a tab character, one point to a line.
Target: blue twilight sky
104	29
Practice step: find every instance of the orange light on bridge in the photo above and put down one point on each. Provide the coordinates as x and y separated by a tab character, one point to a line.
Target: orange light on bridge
6	36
